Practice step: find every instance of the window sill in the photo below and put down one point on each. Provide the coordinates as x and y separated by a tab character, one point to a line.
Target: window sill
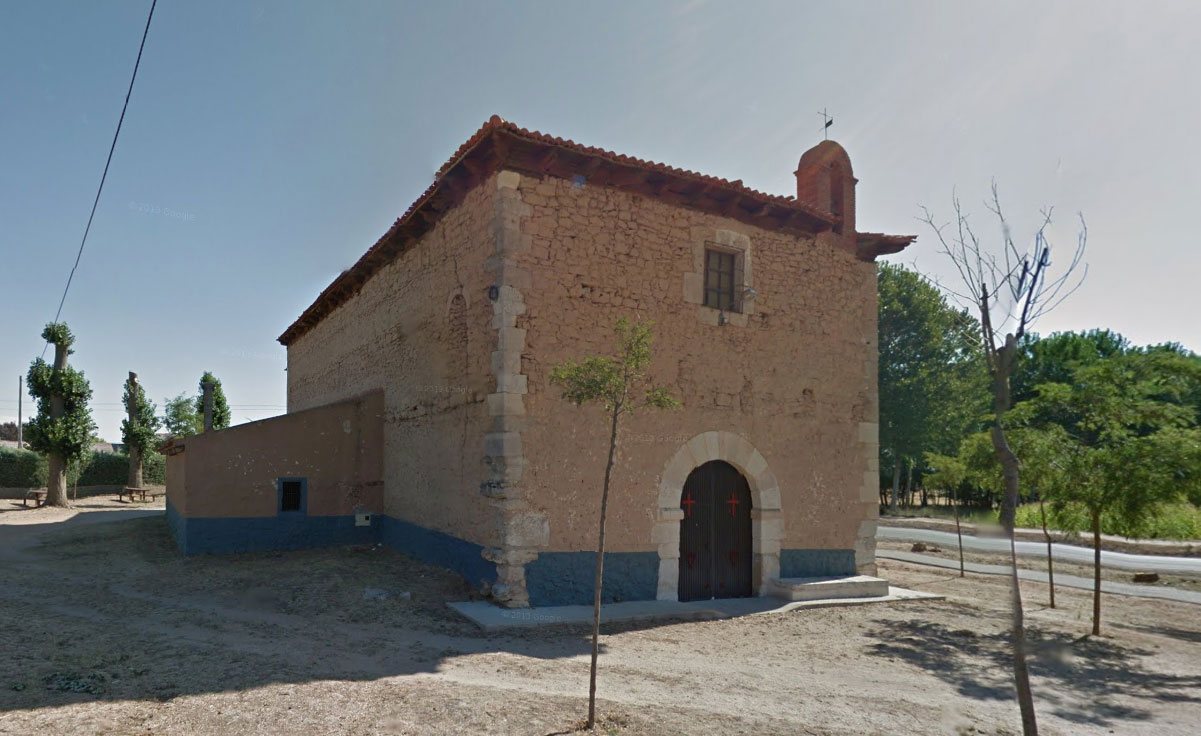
711	316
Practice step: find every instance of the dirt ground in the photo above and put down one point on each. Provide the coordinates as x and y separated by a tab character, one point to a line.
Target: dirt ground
104	629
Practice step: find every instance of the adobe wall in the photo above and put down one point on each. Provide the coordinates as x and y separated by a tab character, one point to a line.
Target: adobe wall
337	448
793	379
420	330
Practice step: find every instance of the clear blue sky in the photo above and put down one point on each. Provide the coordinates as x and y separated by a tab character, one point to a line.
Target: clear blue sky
268	144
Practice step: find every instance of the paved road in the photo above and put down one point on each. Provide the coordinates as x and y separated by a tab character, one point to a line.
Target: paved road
1064	552
1066	581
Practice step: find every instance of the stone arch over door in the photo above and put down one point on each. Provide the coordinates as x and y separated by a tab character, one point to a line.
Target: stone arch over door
767	524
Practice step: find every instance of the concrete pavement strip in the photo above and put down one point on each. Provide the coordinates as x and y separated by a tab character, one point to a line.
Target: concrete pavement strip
491	617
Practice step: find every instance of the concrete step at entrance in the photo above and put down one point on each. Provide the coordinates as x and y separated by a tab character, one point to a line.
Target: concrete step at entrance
827	588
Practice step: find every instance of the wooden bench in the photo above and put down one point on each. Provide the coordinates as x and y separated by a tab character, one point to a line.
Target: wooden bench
39	498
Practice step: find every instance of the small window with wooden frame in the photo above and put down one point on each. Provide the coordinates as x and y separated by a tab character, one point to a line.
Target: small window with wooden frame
723	278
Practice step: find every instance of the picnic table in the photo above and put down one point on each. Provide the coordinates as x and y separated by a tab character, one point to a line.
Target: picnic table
142	493
38	497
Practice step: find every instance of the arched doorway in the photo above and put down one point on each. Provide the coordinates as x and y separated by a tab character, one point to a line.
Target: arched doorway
715	534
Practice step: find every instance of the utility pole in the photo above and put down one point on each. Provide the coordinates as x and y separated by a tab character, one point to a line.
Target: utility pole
20	400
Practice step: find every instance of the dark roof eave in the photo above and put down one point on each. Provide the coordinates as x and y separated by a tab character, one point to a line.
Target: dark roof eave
870	246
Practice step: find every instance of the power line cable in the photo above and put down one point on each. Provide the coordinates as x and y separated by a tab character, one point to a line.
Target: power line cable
104	176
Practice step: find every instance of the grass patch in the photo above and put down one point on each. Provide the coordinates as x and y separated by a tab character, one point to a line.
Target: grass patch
1181	521
966	515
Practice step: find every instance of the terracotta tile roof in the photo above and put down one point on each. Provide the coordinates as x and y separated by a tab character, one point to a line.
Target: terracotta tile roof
497	123
499	144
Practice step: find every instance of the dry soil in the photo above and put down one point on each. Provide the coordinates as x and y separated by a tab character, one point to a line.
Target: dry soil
104	629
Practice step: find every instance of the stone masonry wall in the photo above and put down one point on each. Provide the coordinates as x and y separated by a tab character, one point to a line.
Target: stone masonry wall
421	330
793	376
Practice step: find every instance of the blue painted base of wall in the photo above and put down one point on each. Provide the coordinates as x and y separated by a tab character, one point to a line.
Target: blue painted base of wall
567	578
178	526
201	535
554	579
436	548
812	563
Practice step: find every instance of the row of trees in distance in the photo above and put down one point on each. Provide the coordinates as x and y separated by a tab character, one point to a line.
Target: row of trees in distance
62	427
1106	432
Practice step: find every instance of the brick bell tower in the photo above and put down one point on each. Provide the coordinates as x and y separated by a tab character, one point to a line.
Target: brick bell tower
824	180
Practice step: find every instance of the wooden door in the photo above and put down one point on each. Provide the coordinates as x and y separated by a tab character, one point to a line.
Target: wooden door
715	534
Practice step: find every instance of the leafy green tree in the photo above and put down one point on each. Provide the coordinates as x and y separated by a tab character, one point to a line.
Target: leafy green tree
931	382
1133	447
949	473
180	418
138	429
1046	475
1054	358
221	415
63	426
618	384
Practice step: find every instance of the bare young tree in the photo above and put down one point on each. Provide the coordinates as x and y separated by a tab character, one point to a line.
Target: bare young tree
618	384
1011	289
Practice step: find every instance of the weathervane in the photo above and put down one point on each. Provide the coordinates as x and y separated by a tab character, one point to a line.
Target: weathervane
826	128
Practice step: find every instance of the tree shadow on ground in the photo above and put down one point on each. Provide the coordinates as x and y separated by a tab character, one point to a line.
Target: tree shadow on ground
1084	680
112	611
1168	631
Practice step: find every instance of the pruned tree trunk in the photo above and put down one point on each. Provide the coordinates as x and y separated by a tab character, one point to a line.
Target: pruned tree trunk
1021	673
1096	573
909	484
896	482
207	406
1042	510
958	530
135	467
135	452
56	483
600	568
1006	358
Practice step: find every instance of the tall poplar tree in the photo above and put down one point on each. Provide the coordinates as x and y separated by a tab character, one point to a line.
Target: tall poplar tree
221	415
138	429
63	426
